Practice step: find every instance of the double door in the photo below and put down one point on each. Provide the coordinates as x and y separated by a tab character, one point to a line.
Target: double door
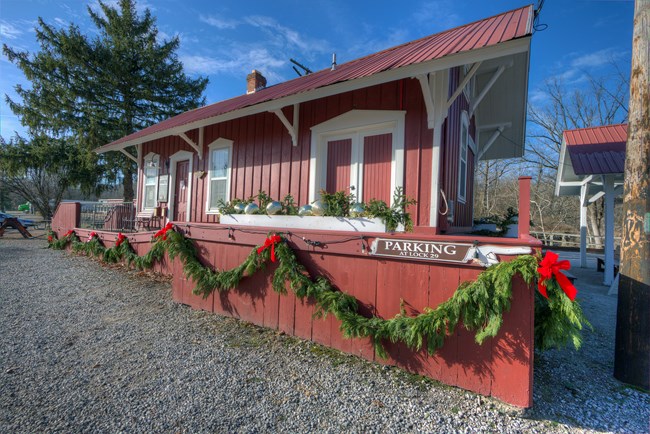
360	164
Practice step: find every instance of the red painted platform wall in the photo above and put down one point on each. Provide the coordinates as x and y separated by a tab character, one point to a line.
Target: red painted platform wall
501	367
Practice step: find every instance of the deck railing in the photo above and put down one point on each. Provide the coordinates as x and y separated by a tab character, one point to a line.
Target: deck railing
555	239
108	216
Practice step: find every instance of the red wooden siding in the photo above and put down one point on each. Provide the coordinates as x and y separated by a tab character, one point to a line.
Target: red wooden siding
66	216
339	154
501	367
377	156
263	156
450	154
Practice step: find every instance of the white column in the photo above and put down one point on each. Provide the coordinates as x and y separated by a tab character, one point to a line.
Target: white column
439	83
608	185
583	225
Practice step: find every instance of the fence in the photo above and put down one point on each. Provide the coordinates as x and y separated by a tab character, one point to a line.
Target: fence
551	239
108	216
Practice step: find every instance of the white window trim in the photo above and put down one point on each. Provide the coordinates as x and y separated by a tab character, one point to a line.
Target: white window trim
180	156
155	158
356	124
220	143
464	121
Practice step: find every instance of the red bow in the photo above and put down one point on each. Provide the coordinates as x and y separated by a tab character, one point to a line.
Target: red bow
67	234
551	267
270	241
92	235
163	232
120	239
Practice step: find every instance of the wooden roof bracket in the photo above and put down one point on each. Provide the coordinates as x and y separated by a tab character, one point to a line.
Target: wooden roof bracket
427	94
292	129
495	135
495	76
130	155
198	147
463	83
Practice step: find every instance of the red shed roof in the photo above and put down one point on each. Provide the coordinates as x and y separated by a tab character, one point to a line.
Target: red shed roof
480	34
597	150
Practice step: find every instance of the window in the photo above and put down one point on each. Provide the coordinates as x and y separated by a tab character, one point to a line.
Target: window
462	163
151	165
219	173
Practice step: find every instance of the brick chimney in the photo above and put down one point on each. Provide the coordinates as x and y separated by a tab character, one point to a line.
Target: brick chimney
255	81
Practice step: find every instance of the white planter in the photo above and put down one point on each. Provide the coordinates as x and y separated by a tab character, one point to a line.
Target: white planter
307	222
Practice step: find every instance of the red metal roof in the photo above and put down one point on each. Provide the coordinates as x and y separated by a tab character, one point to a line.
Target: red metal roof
597	150
484	33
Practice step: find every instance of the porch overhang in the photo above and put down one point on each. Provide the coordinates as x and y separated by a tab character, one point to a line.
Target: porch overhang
504	104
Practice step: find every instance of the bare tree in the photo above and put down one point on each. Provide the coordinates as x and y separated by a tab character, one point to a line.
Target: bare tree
601	101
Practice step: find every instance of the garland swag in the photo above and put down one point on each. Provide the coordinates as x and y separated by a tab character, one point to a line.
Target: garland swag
478	304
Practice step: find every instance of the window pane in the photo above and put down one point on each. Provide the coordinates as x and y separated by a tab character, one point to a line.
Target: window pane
151	173
463	142
220	163
217	191
150	196
462	180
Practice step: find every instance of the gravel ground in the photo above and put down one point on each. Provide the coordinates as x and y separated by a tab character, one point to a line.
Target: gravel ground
87	348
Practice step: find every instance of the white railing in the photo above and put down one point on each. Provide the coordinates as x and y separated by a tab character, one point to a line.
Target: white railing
556	239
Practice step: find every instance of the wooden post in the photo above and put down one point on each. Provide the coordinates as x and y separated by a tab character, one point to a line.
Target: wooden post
608	186
523	230
583	226
632	348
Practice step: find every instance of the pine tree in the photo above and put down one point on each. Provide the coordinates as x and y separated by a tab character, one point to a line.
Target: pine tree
96	90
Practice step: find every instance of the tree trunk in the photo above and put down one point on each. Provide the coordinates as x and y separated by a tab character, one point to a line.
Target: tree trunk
632	349
595	218
127	183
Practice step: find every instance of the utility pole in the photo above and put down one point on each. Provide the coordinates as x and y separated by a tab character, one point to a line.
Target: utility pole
632	349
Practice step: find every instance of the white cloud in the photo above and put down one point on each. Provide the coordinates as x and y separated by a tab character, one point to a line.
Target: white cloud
61	22
435	16
575	66
595	59
219	23
286	37
237	63
8	30
373	45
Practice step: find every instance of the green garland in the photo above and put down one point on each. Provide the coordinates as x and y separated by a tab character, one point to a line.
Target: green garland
478	304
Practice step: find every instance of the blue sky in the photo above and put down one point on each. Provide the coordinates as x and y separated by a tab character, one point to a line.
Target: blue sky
225	40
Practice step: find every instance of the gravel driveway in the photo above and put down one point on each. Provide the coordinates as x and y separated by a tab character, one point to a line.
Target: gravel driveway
86	348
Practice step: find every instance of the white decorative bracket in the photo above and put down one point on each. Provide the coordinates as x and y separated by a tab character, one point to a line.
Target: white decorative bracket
292	129
495	135
596	196
486	255
428	99
197	147
463	83
130	155
488	86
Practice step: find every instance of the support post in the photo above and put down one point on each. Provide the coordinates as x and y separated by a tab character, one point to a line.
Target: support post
583	226
523	225
439	82
608	185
